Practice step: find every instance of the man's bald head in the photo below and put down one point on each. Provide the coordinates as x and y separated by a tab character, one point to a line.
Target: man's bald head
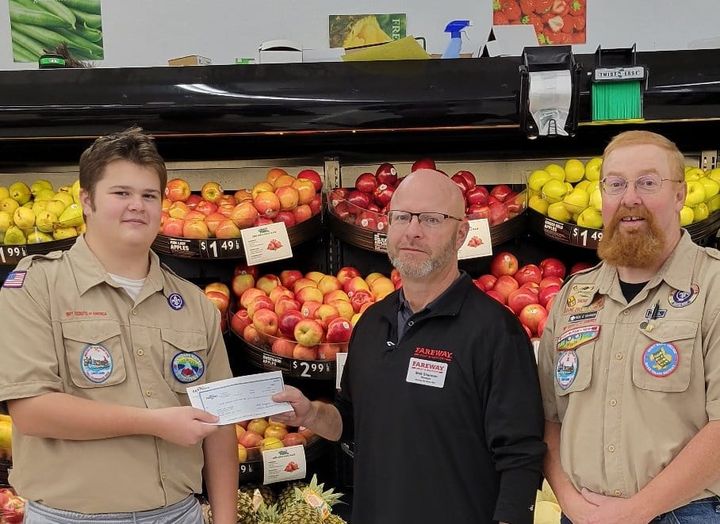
429	190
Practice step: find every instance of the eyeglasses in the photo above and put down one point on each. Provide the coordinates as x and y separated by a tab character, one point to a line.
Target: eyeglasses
645	185
426	219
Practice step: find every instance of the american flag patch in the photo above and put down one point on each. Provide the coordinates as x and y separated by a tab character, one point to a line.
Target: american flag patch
15	279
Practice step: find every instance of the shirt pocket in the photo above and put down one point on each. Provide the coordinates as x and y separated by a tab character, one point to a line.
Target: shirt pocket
663	358
94	353
573	369
185	358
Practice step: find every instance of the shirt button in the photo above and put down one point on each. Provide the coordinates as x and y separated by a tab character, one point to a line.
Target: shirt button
619	356
411	323
626	313
133	312
613	402
617	492
611	448
140	352
148	393
163	476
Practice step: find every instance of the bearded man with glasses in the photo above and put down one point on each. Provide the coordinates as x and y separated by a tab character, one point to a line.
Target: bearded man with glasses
630	357
440	390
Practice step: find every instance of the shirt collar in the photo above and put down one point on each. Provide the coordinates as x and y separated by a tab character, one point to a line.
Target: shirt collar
674	270
444	304
89	272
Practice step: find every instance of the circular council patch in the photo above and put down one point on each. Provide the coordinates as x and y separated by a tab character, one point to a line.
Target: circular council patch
176	301
187	367
96	363
566	368
680	298
660	359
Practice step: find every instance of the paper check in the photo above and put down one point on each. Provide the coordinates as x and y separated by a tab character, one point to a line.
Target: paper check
240	398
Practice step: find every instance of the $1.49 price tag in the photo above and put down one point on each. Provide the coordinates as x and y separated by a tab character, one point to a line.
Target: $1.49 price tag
225	248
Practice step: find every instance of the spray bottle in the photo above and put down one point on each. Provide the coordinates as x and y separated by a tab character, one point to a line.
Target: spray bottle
455	28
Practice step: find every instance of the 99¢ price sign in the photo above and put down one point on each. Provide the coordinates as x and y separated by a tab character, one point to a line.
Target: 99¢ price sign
11	255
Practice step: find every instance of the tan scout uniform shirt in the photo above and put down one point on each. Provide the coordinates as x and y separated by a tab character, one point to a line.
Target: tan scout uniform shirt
69	328
629	390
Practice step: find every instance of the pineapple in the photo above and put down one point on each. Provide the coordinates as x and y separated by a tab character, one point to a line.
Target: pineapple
301	513
334	519
287	495
246	509
316	498
268	514
268	495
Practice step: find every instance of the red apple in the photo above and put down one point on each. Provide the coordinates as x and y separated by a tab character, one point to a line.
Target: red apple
194	215
302	213
504	263
258	304
287	217
313	176
249	295
461	182
308	332
552	267
251	335
195	229
211	191
250	439
366	183
504	285
241	283
531	315
294	439
325	314
306	191
328	283
213	220
283	181
288	277
346	273
267	283
308	308
309	294
338	330
487	281
579	266
478	211
423	163
173	227
383	193
498	214
476	195
244	269
177	190
267	204
501	192
551	281
497	296
328	351
280	292
355	284
287	322
344	308
221	300
178	209
239	321
244	214
227	229
386	174
265	321
286	304
470	181
303	352
361	200
335	295
288	197
367	220
315	205
528	273
520	298
303	282
283	347
361	297
547	293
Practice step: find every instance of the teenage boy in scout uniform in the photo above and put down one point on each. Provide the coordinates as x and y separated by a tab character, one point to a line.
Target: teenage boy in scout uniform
630	358
99	345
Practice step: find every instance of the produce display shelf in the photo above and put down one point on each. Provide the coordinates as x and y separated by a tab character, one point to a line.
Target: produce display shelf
251	471
574	235
261	358
11	255
5	467
377	241
230	248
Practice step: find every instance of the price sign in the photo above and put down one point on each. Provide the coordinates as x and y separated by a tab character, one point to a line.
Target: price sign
247	468
11	255
572	234
310	369
380	242
583	237
181	247
221	248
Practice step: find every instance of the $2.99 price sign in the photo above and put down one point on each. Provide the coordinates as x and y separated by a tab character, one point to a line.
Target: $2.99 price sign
310	369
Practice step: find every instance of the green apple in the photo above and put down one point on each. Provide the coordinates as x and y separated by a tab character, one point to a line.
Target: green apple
554	190
695	193
596	199
713	204
592	169
700	212
556	171
712	188
576	201
559	212
574	170
539	204
537	179
590	218
694	174
686	216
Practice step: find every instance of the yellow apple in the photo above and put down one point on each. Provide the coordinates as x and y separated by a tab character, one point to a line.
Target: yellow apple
4	193
592	169
9	205
537	179
559	212
700	212
590	218
712	188
5	221
583	184
695	193
20	192
686	216
714	174
596	199
538	204
574	170
554	190
713	205
694	173
556	171
592	186
24	218
576	201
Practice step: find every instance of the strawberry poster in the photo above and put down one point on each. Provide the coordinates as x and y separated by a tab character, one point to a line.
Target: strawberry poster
554	21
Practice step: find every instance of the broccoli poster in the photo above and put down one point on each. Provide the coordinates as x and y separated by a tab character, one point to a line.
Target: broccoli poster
40	26
360	30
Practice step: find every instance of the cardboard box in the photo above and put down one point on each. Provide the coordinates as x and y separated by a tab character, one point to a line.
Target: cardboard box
280	52
189	60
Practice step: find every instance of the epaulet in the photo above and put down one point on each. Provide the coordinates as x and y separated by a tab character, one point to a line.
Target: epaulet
26	262
712	252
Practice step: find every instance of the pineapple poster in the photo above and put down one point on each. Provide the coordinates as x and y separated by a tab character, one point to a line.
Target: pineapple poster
38	27
350	31
555	21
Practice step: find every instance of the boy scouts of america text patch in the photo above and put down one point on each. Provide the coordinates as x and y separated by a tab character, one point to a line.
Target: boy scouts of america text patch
187	367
